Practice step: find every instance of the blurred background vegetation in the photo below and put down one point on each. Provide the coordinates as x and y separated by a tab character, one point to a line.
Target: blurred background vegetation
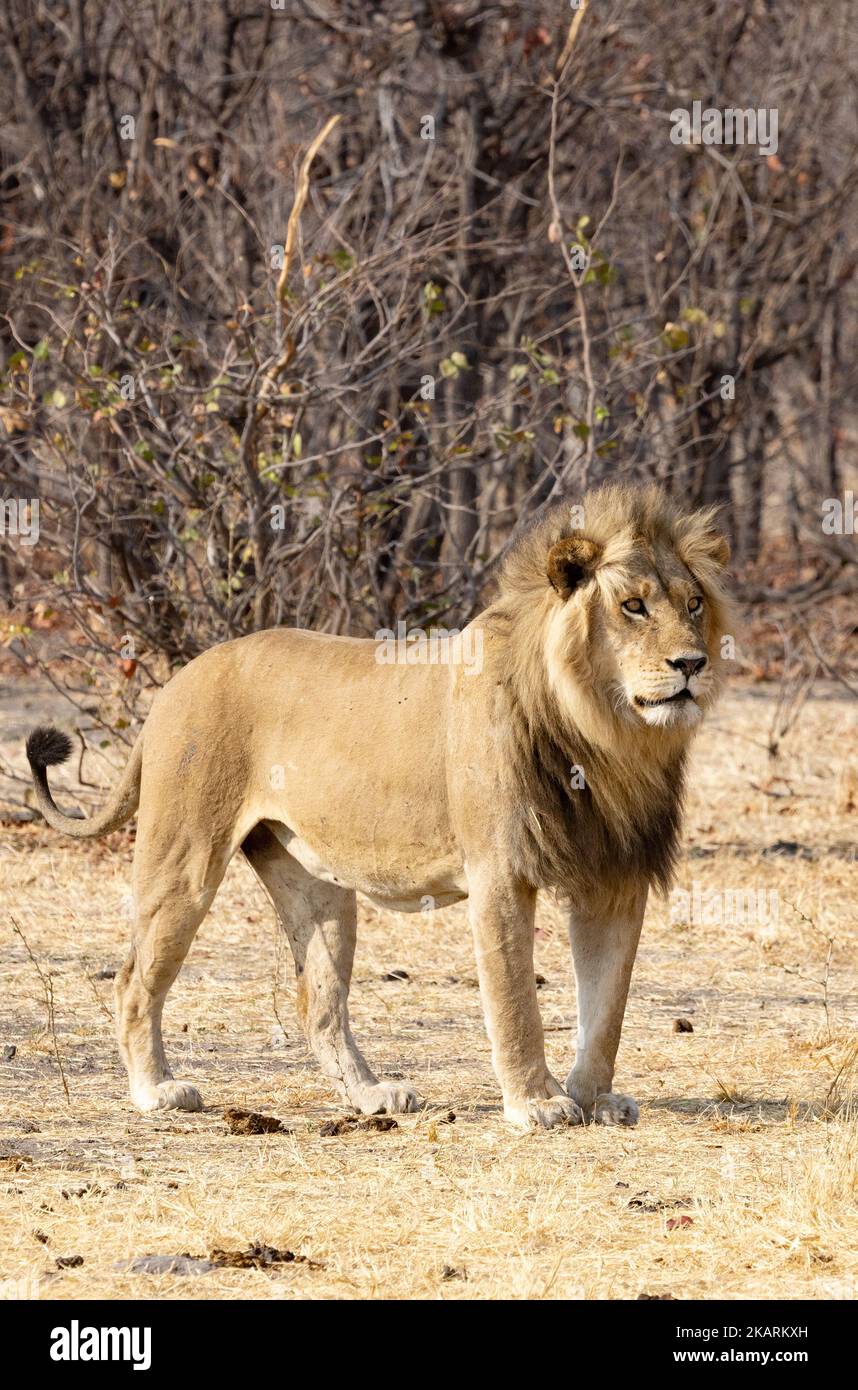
506	283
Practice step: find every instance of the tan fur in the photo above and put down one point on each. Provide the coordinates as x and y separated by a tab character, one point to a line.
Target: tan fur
552	766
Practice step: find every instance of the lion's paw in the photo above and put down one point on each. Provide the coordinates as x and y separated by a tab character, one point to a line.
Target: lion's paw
168	1095
614	1109
549	1113
386	1098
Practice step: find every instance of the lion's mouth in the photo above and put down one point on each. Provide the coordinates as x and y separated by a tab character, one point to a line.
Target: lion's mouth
683	694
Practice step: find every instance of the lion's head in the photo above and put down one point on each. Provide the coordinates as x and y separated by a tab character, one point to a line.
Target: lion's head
630	589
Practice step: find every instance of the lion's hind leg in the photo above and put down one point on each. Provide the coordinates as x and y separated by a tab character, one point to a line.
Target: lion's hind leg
320	921
174	889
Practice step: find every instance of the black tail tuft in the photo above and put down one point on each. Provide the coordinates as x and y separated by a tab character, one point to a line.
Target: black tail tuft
46	747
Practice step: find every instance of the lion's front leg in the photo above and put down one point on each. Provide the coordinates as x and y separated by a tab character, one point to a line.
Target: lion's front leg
501	916
604	946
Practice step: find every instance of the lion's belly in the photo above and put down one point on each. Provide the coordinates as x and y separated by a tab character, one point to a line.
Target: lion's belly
416	882
349	769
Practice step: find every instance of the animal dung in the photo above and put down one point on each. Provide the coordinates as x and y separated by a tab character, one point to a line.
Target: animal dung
380	1123
249	1122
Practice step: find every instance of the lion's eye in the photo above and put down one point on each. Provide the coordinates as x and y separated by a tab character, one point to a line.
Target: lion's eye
695	604
635	607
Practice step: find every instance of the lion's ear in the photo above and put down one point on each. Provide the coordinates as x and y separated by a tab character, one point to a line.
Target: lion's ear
704	542
571	562
719	548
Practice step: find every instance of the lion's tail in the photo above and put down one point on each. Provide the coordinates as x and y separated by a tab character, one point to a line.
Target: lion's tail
48	747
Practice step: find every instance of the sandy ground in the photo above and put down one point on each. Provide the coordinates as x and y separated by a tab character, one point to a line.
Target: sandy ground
740	1181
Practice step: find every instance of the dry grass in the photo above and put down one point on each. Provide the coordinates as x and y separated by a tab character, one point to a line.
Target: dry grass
746	1123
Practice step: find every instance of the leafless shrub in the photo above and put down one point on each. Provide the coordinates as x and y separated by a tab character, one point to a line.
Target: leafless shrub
503	280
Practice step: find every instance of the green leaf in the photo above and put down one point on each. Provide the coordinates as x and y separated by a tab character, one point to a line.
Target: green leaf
433	298
675	337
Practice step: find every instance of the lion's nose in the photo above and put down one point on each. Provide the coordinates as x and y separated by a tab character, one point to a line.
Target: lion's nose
688	665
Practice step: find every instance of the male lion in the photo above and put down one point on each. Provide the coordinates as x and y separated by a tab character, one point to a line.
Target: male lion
558	765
